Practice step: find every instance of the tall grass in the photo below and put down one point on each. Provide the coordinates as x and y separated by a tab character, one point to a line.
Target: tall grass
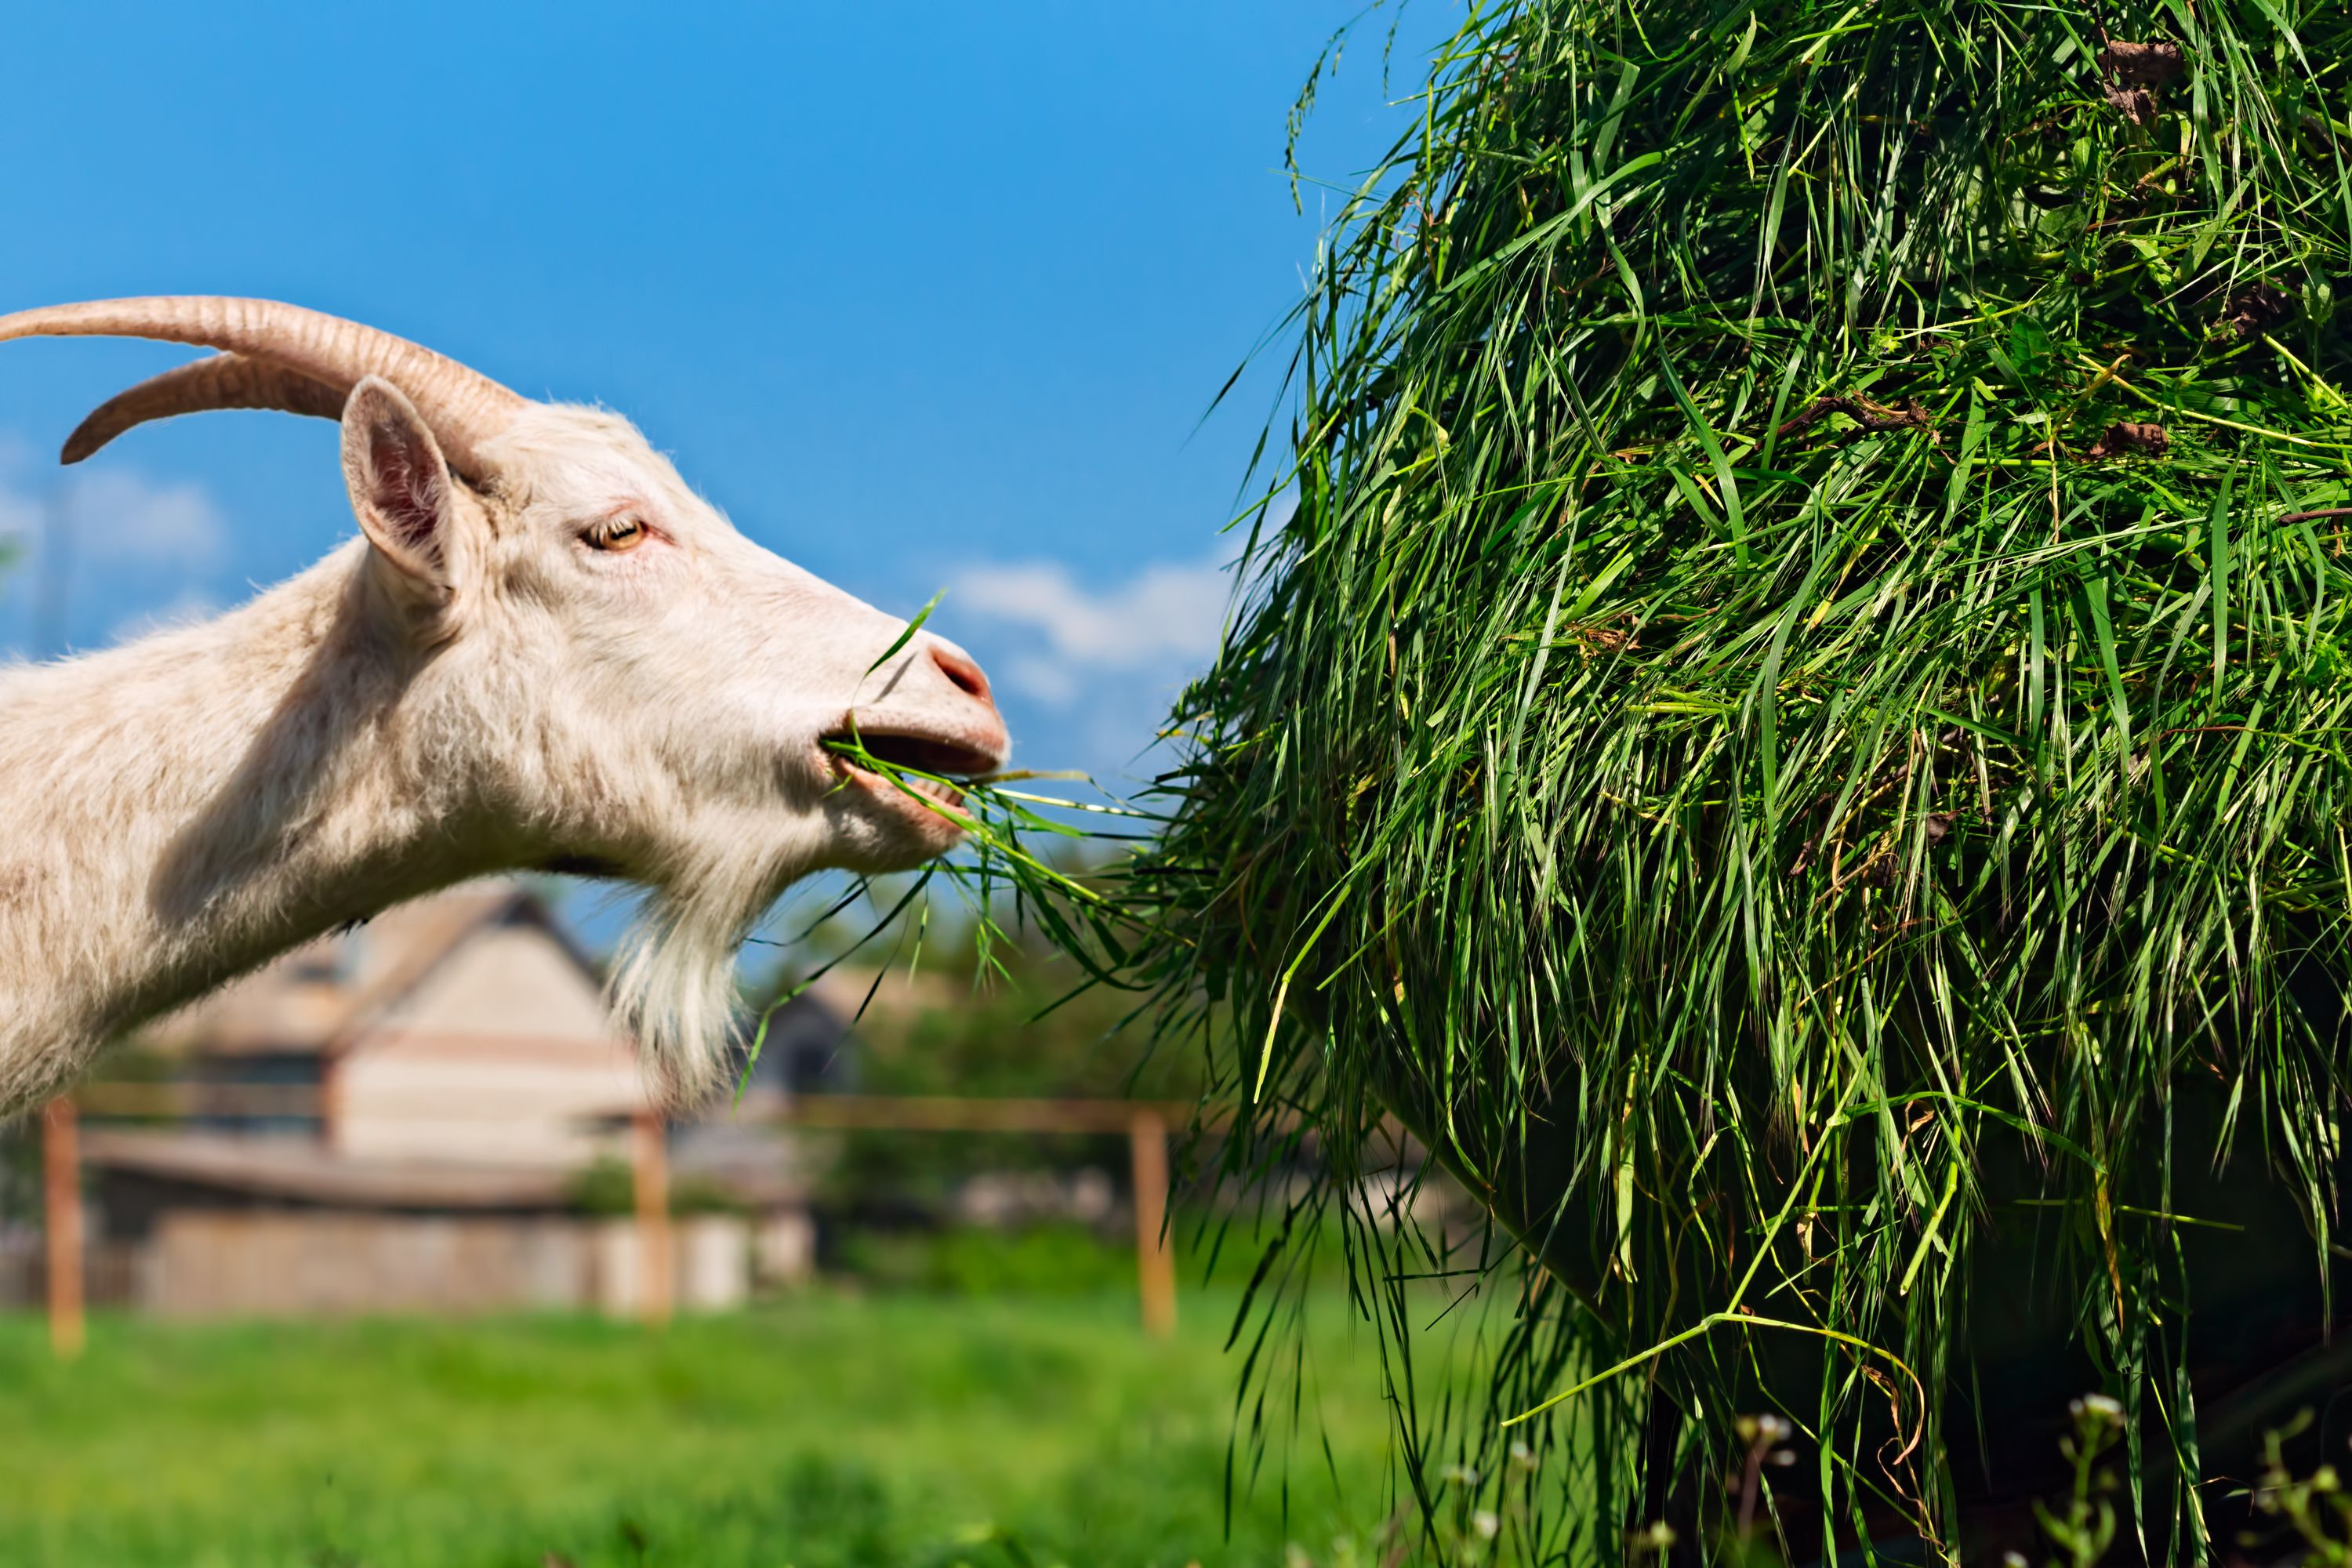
1796	731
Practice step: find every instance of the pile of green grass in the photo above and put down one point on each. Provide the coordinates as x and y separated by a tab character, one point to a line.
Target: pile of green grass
1795	735
829	1432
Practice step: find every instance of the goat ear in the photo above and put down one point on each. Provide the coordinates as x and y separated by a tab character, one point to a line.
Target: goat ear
400	486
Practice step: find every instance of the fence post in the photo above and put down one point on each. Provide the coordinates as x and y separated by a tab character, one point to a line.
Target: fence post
1155	1266
61	1208
655	1268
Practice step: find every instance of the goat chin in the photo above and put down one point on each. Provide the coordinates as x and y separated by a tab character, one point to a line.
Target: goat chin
674	991
673	985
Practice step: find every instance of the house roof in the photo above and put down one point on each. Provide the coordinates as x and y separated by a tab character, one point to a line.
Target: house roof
318	999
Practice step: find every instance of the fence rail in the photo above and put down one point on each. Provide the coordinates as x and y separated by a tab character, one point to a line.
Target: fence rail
947	1113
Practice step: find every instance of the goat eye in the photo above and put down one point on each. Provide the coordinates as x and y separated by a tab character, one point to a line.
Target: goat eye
616	533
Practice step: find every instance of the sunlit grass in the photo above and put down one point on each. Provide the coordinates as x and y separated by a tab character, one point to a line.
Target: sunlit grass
829	1430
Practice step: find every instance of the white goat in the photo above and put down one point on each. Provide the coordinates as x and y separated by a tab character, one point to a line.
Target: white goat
545	652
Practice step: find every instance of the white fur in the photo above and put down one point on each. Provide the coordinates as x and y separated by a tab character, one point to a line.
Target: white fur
183	809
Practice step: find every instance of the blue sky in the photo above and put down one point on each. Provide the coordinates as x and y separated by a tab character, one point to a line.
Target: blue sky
926	295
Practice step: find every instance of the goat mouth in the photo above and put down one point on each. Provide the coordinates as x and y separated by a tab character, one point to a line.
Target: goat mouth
919	755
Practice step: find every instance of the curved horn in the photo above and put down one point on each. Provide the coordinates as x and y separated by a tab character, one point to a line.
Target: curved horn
464	408
224	381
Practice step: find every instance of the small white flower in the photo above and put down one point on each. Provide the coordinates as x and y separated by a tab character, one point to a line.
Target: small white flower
1484	1523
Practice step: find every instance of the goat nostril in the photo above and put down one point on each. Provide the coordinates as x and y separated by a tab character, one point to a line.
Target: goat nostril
963	672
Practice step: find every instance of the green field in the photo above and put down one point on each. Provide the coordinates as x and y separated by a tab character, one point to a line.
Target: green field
894	1429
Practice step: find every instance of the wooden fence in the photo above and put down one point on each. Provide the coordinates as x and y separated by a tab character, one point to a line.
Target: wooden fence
1145	1123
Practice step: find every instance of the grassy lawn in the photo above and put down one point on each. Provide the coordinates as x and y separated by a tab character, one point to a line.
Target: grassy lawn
894	1429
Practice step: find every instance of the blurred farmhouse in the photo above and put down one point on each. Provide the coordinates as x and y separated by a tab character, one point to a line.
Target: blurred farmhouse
429	1112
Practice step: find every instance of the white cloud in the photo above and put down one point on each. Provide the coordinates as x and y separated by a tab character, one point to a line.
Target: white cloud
113	514
118	514
1049	680
139	552
1165	617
